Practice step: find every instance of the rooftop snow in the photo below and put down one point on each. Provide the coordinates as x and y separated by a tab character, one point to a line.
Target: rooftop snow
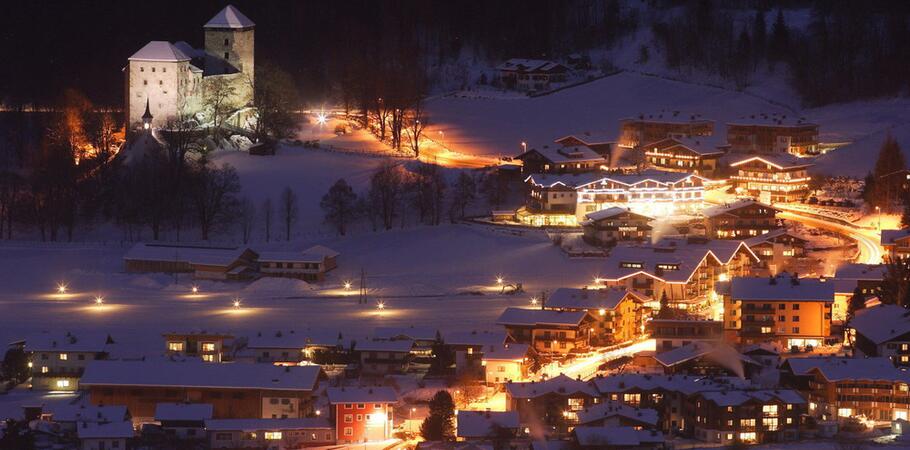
699	349
845	368
291	257
739	397
534	317
573	154
322	251
183	411
773	119
481	424
475	337
52	342
529	65
890	236
376	394
806	289
159	51
413	333
88	413
590	138
882	323
686	384
730	207
584	179
616	436
201	255
292	339
253	425
575	298
667	116
105	430
200	375
672	260
560	384
771	235
612	212
505	352
611	408
399	346
701	145
856	271
778	160
229	17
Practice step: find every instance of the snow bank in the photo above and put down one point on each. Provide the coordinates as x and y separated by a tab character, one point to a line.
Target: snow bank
285	287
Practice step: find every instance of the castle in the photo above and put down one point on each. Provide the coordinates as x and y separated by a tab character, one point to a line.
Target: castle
164	80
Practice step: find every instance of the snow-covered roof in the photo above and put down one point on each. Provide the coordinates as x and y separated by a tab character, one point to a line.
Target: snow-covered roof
779	161
772	119
857	271
612	212
700	145
583	179
189	50
739	397
668	116
229	17
575	298
193	254
891	236
616	436
475	337
87	342
200	375
266	424
159	51
183	411
590	138
292	257
686	384
573	154
882	323
105	430
505	352
88	413
610	408
561	385
771	236
783	288
730	207
845	368
322	251
292	339
759	348
480	424
530	65
671	260
413	333
399	346
726	354
376	394
535	317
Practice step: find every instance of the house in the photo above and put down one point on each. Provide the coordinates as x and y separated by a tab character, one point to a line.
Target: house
707	358
468	347
841	387
673	333
57	361
105	435
896	243
506	362
697	154
310	265
867	277
235	390
566	159
773	133
685	270
617	313
740	220
423	337
362	414
69	416
765	353
204	262
207	346
272	434
791	311
183	420
771	178
883	330
778	250
553	403
531	74
608	226
748	416
565	199
291	347
602	144
617	414
637	131
380	358
618	438
486	425
549	331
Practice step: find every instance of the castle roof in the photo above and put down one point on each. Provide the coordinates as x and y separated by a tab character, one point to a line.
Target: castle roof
160	51
230	17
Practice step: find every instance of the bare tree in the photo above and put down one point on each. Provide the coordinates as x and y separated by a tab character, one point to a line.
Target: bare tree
267	213
464	192
275	98
386	191
213	193
246	218
288	210
339	205
416	121
218	95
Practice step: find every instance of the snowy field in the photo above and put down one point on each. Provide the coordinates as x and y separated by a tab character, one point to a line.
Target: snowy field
442	277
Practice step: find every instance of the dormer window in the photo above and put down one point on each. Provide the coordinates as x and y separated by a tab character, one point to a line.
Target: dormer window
668	266
631	265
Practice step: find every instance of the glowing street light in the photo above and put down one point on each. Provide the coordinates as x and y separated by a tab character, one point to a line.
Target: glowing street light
321	118
318	412
380	306
347	285
524	146
195	289
534	300
236	303
499	279
61	288
99	300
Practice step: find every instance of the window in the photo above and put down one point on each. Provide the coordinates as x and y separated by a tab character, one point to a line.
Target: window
789	406
348	418
782	306
789	420
769	410
348	431
272	435
208	358
796	306
208	346
285	401
747	422
64	357
63	383
730	423
141	69
729	409
80	357
145	82
747	437
223	436
175	346
44	369
770	423
360	417
273	401
44	356
348	406
844	412
631	265
361	406
226	42
226	56
377	406
795	329
153	69
781	318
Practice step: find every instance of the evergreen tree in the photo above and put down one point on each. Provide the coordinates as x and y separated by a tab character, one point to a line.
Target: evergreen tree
779	46
896	284
890	159
443	357
438	425
759	36
339	205
869	189
856	303
666	311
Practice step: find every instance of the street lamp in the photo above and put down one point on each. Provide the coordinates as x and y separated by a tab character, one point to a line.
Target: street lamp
99	300
499	279
524	146
195	289
347	285
61	288
236	303
878	211
534	300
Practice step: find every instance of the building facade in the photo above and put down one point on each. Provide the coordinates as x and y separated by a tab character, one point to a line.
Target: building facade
644	129
773	133
681	154
772	178
740	220
549	331
362	414
608	226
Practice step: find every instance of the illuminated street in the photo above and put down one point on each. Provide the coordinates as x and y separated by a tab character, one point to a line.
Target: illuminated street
870	251
585	367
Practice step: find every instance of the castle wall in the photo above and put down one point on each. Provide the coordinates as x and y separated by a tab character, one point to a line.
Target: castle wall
235	47
164	84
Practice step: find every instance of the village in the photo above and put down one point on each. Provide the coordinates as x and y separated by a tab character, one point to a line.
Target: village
669	280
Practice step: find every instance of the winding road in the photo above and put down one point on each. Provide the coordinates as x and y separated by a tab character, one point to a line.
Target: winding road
870	251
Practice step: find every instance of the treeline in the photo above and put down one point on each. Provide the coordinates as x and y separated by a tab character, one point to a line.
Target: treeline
848	51
396	194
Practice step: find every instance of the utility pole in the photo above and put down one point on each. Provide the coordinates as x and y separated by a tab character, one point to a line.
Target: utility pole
363	288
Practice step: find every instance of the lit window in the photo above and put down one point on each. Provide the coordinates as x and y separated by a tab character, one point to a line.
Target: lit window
844	412
63	357
175	346
44	369
272	435
348	431
208	358
63	383
208	346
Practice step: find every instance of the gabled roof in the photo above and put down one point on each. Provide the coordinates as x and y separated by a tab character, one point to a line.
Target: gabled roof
505	352
613	212
481	424
183	411
609	408
376	394
159	51
659	261
321	250
700	145
105	430
229	17
730	207
621	437
771	119
200	375
631	180
836	369
293	339
575	298
784	288
560	385
882	323
686	384
475	337
531	65
412	333
266	424
668	116
538	317
193	254
84	342
866	272
725	354
559	155
399	346
89	413
892	236
739	397
771	236
779	161
589	138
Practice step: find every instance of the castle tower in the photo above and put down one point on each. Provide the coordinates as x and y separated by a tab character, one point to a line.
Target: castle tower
229	40
158	73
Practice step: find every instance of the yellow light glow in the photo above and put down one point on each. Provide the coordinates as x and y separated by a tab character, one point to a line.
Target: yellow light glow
499	279
534	300
347	285
99	300
602	312
195	289
380	306
318	412
377	418
321	118
61	288
237	303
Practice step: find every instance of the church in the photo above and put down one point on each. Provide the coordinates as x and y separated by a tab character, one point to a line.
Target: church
165	80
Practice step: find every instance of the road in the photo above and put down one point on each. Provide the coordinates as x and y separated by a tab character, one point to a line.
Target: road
870	252
585	367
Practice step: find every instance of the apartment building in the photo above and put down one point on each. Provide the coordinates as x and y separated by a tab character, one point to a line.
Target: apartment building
617	313
771	178
740	220
549	331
